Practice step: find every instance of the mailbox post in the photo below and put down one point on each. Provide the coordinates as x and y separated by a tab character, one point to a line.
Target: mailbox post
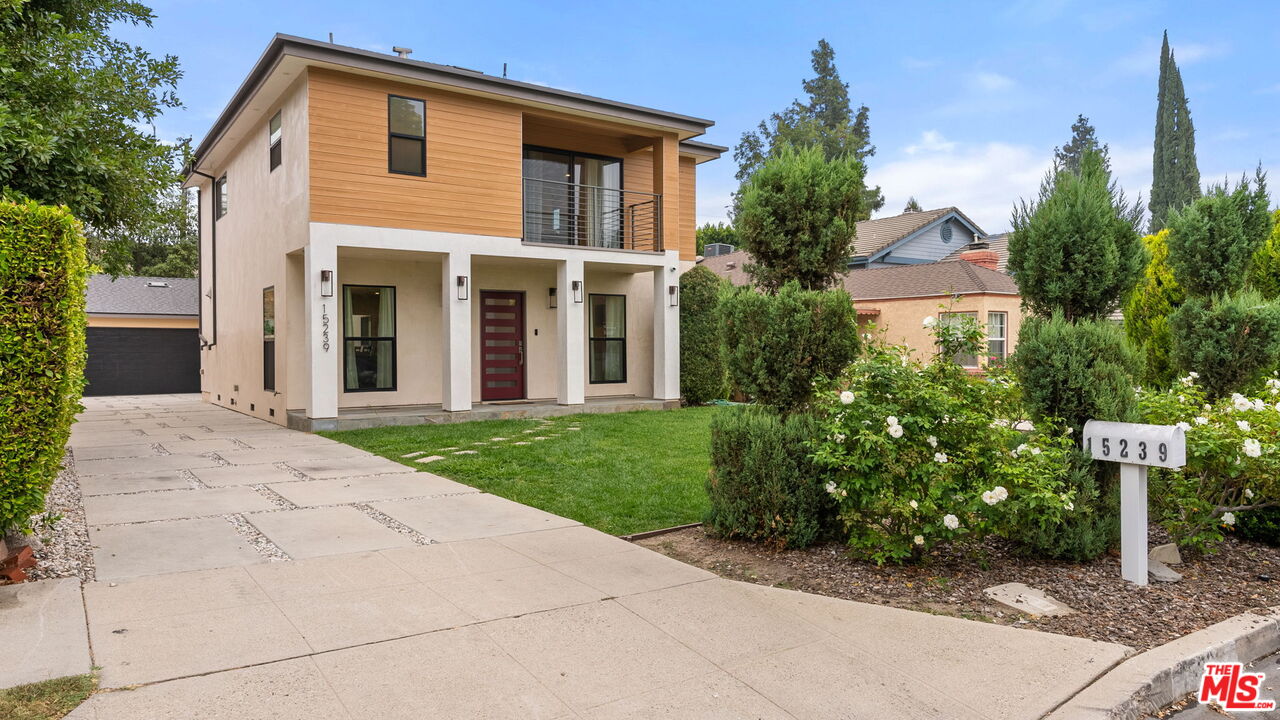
1136	447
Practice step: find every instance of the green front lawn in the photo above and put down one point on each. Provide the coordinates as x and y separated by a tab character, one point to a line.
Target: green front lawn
621	473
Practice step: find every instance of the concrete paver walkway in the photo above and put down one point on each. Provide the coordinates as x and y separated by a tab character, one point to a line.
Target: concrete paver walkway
248	571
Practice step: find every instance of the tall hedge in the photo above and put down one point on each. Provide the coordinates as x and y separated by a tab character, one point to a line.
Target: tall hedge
42	283
1231	341
1147	311
776	345
702	376
1264	274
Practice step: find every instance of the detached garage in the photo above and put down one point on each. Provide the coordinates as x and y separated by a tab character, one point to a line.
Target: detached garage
143	336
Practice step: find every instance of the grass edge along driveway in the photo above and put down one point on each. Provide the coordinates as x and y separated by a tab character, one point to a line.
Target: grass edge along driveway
620	473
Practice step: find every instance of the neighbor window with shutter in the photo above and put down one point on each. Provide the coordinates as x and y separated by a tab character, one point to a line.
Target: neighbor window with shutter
274	134
406	135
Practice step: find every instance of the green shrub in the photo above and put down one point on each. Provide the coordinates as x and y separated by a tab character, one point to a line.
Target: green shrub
763	486
776	346
1089	530
1147	311
42	282
796	214
1208	249
1233	458
1075	372
1231	342
1264	272
1261	525
702	376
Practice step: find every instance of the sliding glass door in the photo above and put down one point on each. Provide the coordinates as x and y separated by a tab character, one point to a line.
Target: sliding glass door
572	198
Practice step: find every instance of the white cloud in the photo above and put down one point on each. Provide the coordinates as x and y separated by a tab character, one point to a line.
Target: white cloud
990	81
984	179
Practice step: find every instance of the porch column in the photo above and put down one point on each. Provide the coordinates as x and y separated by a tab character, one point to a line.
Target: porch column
571	380
323	327
666	182
666	332
456	353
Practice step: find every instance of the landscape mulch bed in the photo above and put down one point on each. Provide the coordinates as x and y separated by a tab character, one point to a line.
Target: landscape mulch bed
1236	578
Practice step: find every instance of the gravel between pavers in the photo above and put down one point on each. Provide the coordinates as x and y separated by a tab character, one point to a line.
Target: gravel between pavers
63	549
1214	587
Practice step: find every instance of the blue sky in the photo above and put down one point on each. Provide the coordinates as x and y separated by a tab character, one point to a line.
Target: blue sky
967	99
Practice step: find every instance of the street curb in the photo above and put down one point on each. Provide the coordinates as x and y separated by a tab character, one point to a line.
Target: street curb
1150	681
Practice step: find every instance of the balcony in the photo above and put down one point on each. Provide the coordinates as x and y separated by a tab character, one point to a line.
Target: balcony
567	213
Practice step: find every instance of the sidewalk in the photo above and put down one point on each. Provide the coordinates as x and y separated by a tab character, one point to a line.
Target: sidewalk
246	571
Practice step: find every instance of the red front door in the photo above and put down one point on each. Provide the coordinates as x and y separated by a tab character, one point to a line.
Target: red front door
501	345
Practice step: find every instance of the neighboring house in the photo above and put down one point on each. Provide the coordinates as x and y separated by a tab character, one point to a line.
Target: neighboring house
142	336
912	238
379	232
911	266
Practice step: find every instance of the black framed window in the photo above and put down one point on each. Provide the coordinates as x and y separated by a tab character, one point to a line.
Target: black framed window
406	135
608	339
369	337
220	197
274	134
269	339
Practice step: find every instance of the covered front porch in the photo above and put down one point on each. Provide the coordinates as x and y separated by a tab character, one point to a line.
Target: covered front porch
404	328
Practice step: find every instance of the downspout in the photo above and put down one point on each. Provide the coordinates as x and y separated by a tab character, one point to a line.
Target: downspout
213	254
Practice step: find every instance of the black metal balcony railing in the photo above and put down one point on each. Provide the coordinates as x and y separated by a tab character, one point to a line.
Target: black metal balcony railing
591	216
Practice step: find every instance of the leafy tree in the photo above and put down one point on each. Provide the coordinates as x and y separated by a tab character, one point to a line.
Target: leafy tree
796	217
1213	240
1230	341
702	376
715	233
1175	179
776	345
1076	249
825	120
1147	311
1083	139
74	102
1264	274
912	206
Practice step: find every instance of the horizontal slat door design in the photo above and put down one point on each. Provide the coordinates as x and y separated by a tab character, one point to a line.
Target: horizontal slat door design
501	345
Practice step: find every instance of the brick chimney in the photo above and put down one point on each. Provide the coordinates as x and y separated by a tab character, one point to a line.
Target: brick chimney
983	258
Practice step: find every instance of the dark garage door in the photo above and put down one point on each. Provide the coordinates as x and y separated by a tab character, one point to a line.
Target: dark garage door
142	361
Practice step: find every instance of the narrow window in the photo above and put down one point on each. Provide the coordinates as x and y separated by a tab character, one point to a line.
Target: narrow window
608	338
269	339
407	135
369	337
274	133
220	196
965	360
997	329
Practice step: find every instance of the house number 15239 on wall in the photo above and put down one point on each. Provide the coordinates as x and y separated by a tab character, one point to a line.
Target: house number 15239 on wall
1136	444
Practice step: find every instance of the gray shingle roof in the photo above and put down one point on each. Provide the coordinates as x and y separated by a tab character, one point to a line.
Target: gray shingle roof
142	296
876	235
945	277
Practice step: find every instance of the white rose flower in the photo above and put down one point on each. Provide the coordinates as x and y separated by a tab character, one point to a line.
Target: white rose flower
1252	447
933	441
1000	493
914	505
940	457
1202	420
1035	451
895	431
846	397
1068	506
1024	426
839	437
831	488
844	493
1240	402
1228	518
1248	494
1193	375
930	321
919	539
891	420
989	498
1259	405
1244	425
1184	425
951	521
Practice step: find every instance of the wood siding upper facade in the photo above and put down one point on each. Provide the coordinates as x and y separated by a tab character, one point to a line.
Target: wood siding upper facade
474	160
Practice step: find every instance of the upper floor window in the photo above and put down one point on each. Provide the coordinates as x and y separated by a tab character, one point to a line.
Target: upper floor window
274	133
220	197
407	135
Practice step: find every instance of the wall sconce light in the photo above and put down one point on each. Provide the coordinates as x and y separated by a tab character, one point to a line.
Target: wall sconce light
577	291
326	283
673	295
551	298
463	291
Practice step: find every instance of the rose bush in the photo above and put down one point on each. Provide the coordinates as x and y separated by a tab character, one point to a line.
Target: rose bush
1233	457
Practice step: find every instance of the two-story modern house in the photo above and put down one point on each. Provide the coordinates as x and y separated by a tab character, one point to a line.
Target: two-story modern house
379	233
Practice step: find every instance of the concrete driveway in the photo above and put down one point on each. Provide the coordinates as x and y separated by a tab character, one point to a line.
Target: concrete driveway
248	571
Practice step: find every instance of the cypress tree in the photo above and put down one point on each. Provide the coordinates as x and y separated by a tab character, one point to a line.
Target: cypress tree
1175	179
1083	138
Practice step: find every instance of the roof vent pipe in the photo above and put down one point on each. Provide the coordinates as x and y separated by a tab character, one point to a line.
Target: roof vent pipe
402	51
